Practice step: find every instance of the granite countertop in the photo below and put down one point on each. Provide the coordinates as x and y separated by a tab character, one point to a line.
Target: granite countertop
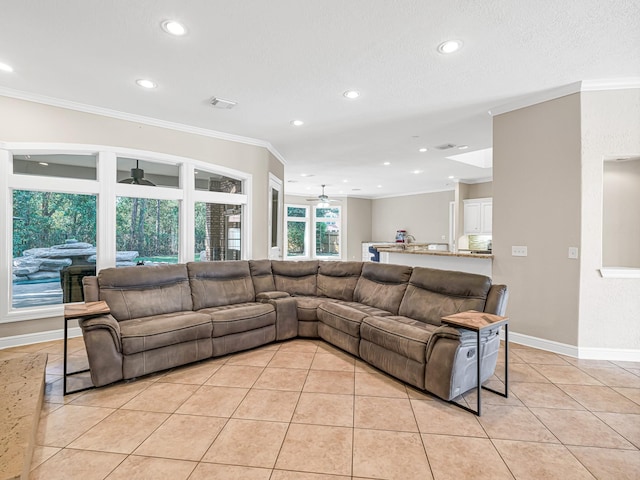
424	251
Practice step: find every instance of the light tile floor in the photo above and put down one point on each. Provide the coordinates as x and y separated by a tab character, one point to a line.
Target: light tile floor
303	410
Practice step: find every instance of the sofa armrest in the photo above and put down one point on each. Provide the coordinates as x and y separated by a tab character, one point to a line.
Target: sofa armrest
104	348
441	332
271	295
106	322
90	289
286	313
497	300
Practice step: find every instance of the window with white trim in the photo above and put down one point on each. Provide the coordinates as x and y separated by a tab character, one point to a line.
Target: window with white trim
313	232
69	207
297	231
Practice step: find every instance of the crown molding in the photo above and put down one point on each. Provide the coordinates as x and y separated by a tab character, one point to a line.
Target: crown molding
563	91
131	117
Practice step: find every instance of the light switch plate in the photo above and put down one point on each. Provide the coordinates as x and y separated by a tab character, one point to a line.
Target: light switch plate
519	251
573	252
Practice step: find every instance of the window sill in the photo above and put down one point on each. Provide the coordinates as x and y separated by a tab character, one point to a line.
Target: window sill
620	272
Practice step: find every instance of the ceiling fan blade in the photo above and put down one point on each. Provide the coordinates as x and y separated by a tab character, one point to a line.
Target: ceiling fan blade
313	199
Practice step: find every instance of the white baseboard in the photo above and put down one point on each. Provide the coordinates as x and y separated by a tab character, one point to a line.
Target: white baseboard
586	353
29	338
616	354
542	344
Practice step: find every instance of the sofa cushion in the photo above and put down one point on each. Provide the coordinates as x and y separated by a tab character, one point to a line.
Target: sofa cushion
262	276
295	278
307	307
135	292
338	279
382	286
345	317
230	319
220	283
398	334
433	294
147	333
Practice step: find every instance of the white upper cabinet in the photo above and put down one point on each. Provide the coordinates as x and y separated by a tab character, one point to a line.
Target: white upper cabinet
478	214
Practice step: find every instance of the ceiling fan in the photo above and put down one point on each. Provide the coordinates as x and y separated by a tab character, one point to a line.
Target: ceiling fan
137	177
323	201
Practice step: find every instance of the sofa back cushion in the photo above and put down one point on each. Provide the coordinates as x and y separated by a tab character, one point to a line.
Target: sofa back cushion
432	294
214	284
382	286
295	278
338	279
134	292
262	276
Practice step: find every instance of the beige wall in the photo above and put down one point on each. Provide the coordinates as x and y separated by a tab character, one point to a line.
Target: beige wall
480	190
425	216
23	121
537	203
621	214
609	307
358	225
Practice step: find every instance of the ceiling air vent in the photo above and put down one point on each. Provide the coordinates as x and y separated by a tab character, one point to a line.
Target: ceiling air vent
445	146
222	103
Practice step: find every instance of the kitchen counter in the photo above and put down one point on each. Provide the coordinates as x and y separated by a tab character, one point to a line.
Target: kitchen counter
479	263
424	251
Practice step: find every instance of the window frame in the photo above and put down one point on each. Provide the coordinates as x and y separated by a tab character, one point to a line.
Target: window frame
307	221
311	220
106	188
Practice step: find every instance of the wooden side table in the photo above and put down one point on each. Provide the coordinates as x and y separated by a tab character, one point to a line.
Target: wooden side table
76	311
478	322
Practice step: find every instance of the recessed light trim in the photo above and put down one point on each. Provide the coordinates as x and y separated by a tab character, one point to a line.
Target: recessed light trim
307	175
422	150
417	172
449	46
144	83
379	186
386	164
351	94
174	28
451	177
44	164
5	67
463	147
296	123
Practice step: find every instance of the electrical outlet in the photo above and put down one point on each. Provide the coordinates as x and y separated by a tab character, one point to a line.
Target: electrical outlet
519	251
573	252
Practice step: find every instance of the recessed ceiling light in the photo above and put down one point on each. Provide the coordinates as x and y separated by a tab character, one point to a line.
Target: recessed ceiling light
422	150
345	181
449	46
463	147
451	177
174	28
6	68
296	123
307	175
379	186
145	83
417	171
44	164
386	164
351	94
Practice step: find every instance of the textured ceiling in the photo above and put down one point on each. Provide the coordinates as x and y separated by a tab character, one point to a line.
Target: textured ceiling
292	59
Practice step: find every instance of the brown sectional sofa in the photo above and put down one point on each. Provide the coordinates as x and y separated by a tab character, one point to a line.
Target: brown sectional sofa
387	315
